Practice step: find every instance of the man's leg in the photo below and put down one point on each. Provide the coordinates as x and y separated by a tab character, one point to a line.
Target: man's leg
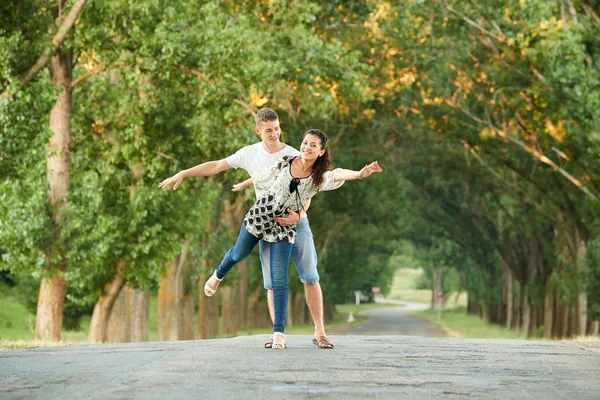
314	300
305	261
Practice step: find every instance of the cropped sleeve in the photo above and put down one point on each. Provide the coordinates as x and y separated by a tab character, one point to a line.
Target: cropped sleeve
328	180
263	179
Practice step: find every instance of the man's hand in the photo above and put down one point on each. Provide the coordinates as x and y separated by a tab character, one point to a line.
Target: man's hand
174	180
242	185
292	218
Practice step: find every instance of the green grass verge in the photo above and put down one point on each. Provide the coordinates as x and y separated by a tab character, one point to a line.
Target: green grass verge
457	323
403	288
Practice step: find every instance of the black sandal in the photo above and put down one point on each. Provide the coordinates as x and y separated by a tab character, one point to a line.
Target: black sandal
269	344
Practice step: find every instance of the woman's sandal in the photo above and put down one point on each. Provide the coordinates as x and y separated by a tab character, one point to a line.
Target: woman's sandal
322	342
209	290
278	344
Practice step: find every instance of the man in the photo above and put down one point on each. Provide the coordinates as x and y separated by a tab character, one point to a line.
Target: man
254	159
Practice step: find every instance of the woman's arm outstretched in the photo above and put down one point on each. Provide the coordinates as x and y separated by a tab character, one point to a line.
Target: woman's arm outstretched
349	175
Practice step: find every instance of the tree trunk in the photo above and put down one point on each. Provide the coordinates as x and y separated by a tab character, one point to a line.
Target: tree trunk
240	210
328	312
230	312
582	300
473	307
53	286
208	315
300	309
290	315
548	308
119	327
558	314
525	309
256	311
208	307
243	293
138	309
437	300
51	301
564	327
170	299
165	302
188	317
233	305
258	316
169	311
595	330
509	297
533	318
103	309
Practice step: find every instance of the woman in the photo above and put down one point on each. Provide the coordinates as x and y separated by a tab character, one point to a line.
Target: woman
289	184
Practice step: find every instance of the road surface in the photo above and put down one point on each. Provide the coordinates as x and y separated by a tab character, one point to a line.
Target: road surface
393	321
366	367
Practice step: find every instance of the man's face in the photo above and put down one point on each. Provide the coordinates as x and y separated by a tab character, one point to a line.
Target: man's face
268	131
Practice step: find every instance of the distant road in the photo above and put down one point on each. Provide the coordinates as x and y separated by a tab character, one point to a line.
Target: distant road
393	321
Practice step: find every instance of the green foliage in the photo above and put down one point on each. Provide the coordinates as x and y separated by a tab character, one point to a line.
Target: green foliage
482	115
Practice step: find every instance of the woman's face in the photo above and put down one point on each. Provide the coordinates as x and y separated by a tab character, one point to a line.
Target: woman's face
311	147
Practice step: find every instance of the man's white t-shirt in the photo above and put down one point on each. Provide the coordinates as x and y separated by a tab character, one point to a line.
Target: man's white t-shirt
255	159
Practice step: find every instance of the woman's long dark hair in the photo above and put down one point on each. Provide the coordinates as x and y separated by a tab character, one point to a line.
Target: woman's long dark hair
323	163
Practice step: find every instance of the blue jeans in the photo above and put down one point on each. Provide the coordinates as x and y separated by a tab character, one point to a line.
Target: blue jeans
279	260
303	253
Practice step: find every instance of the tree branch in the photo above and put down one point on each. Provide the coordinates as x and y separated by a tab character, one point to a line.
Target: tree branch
57	41
516	188
572	11
531	150
475	24
592	14
93	72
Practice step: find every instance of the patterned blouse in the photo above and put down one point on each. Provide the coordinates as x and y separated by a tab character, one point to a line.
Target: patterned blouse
275	181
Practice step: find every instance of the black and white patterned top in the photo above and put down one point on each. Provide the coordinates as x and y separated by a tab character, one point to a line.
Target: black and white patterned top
260	220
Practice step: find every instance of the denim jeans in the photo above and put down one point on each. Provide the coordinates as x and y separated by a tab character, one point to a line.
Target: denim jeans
303	253
279	258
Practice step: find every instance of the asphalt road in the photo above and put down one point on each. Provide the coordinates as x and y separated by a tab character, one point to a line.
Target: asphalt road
393	321
366	367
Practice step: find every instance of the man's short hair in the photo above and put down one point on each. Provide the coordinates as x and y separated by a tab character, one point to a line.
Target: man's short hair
265	114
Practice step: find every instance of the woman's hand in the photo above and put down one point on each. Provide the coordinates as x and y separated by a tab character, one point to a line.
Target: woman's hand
242	185
369	169
291	219
174	180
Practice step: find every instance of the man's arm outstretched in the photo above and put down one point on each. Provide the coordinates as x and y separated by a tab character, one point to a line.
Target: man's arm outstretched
208	168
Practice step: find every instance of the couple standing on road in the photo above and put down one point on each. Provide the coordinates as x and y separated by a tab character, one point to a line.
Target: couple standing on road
285	180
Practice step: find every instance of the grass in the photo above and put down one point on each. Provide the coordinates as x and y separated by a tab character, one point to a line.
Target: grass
404	288
457	323
17	326
453	319
15	321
